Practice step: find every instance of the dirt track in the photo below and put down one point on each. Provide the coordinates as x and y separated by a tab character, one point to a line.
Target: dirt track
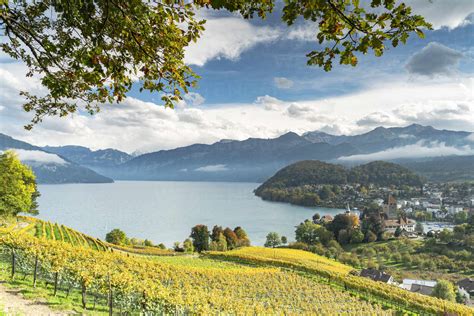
12	303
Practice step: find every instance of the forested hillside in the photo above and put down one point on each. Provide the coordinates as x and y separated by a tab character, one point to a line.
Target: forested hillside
316	183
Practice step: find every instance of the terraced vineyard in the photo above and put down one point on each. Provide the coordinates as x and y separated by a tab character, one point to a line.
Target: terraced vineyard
251	280
53	231
177	286
339	276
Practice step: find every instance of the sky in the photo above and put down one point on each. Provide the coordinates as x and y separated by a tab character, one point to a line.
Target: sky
255	83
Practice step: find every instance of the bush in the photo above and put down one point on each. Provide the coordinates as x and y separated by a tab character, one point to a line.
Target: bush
116	237
299	245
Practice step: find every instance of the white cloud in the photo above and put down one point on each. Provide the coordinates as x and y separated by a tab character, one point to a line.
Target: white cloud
228	38
145	126
443	13
418	150
194	99
470	137
303	32
300	110
38	156
283	83
379	118
434	60
270	103
212	168
193	116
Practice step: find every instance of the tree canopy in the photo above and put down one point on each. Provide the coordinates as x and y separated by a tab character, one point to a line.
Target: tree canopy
18	191
116	236
87	53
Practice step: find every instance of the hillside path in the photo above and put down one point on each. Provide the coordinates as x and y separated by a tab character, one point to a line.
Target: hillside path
12	303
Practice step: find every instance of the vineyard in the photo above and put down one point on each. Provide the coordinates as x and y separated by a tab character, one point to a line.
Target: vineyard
131	283
53	231
338	275
251	280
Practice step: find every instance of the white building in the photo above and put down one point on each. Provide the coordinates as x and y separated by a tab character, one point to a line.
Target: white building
453	209
418	286
407	225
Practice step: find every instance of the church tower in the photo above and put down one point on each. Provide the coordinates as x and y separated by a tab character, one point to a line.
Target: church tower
390	208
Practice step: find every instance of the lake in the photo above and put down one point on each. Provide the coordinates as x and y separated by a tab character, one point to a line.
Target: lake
164	211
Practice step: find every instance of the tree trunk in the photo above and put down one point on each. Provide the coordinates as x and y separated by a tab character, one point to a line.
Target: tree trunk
13	263
35	272
84	302
56	277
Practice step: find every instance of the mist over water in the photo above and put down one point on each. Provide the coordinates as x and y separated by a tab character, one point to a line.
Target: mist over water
164	211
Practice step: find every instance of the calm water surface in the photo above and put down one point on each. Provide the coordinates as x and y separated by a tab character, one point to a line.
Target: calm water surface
165	211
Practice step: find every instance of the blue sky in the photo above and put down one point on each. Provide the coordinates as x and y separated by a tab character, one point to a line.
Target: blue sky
255	83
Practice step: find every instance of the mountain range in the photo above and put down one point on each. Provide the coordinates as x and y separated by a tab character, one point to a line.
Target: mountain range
256	159
51	168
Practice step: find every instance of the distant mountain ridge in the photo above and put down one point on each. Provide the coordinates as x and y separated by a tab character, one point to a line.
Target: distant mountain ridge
253	159
86	157
256	159
382	138
51	168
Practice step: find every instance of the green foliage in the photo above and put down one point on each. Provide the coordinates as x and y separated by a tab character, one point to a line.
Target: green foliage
346	222
148	243
216	232
220	244
398	232
273	240
284	240
316	183
231	238
419	228
446	235
357	236
311	233
370	236
188	246
384	174
460	217
90	52
18	191
445	290
372	223
162	246
243	239
116	236
200	236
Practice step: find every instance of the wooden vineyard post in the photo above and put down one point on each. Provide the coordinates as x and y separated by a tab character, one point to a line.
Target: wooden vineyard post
110	296
35	272
56	276
84	293
13	263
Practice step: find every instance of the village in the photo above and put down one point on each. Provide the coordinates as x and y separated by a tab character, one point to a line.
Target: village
444	203
447	204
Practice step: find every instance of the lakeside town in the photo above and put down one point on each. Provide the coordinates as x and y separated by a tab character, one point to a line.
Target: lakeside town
432	213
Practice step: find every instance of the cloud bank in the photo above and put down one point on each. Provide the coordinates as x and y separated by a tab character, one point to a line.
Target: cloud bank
38	156
418	150
212	168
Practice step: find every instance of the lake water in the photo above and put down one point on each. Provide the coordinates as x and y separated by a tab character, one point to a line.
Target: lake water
165	211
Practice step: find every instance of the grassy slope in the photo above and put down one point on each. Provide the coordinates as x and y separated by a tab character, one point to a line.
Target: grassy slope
401	271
